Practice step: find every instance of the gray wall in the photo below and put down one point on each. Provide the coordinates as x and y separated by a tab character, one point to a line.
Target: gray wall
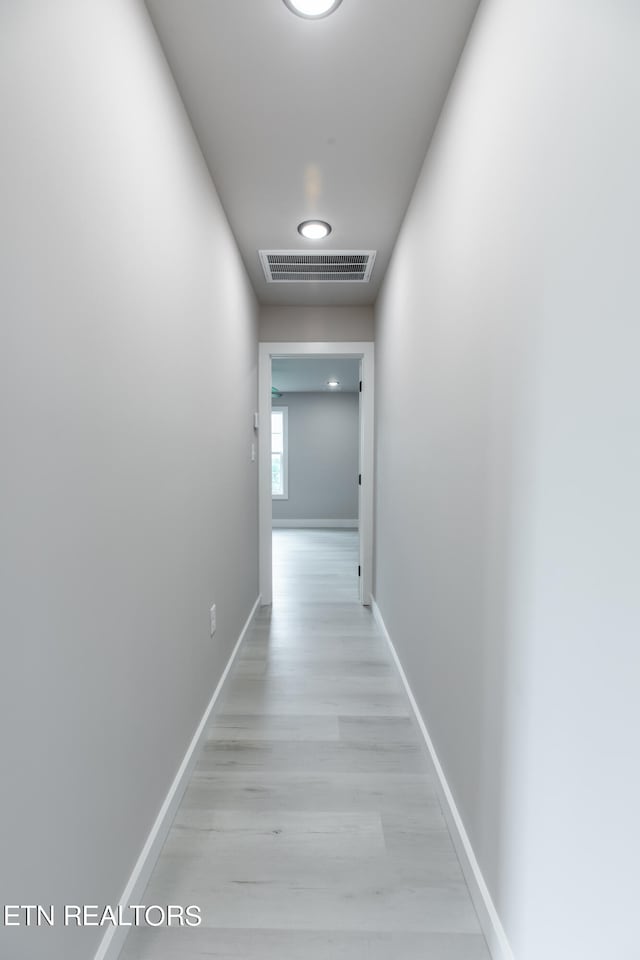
334	324
129	499
323	457
508	528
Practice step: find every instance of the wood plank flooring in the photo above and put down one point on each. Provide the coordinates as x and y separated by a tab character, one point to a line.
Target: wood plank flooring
311	829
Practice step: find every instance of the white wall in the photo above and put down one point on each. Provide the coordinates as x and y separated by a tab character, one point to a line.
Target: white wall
508	527
324	324
323	449
129	499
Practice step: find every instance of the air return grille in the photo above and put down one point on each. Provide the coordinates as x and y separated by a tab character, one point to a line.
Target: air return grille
294	266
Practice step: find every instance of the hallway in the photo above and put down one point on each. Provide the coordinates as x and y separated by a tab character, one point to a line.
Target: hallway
311	828
451	189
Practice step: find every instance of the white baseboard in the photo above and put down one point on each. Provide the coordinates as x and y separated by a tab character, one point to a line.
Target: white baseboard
114	938
277	524
492	928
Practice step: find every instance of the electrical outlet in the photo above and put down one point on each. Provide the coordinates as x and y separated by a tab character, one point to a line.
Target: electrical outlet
212	614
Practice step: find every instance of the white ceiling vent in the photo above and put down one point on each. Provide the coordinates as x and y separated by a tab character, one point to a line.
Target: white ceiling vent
295	266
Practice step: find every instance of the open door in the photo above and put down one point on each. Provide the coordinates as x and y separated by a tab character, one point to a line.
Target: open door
364	352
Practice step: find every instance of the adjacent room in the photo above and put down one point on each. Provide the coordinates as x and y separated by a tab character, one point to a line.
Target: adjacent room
315	460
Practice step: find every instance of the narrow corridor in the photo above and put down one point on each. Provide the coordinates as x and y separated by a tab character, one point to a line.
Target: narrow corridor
311	829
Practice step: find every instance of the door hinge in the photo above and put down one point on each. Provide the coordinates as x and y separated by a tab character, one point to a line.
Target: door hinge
361	386
359	573
359	479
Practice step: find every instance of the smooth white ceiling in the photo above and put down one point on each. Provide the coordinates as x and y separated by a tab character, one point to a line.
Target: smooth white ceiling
322	118
310	374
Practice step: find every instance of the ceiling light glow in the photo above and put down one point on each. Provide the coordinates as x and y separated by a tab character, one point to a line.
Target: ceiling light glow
333	383
314	229
313	9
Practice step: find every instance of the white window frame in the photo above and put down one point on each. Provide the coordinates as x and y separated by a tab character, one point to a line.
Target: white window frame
285	452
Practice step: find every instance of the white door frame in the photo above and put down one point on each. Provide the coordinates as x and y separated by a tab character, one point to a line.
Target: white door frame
363	351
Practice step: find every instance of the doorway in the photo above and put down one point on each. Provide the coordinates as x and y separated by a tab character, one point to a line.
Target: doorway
364	354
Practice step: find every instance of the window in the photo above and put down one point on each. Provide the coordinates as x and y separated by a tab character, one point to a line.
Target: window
279	460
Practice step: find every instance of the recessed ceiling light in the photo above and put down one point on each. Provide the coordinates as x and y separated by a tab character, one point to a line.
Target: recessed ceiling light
314	229
333	383
313	9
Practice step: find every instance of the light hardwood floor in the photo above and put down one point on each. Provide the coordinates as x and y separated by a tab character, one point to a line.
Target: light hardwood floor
311	829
